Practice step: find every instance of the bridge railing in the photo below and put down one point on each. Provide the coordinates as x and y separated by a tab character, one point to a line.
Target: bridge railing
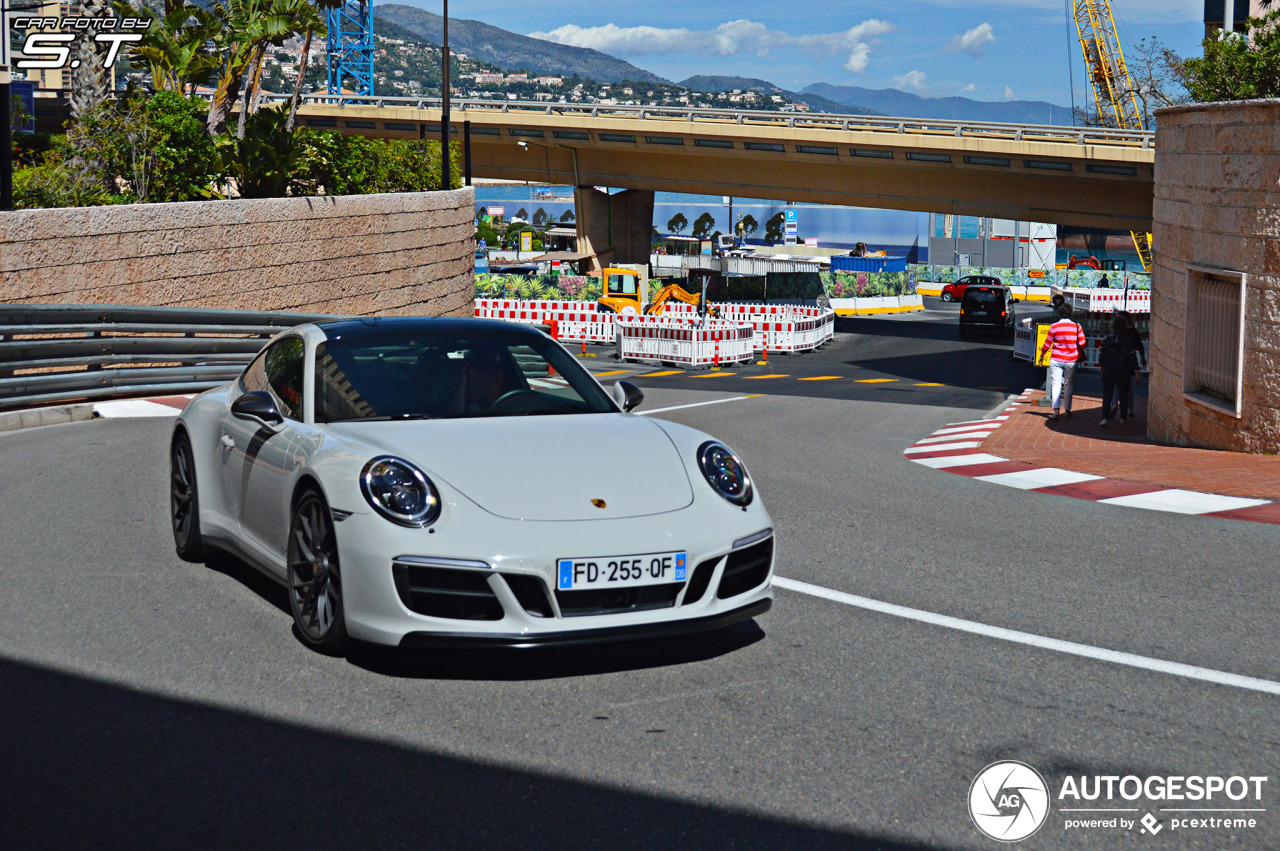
67	353
759	118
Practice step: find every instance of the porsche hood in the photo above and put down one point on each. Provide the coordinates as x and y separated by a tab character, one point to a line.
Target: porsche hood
564	467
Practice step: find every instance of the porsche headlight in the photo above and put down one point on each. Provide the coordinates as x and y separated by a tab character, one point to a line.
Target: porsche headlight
400	492
725	473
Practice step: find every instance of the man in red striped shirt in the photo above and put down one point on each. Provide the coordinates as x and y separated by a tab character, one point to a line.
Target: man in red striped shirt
1065	344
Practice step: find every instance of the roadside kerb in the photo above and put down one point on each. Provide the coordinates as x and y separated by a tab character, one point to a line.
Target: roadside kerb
959	448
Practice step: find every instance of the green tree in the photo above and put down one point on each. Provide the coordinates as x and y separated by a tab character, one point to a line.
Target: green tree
540	217
703	225
1239	68
749	225
567	216
522	214
677	223
773	229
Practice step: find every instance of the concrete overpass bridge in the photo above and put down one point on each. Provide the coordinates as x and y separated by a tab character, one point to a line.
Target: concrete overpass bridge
1087	177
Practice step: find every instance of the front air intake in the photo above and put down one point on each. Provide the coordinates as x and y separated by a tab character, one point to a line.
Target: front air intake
441	592
745	569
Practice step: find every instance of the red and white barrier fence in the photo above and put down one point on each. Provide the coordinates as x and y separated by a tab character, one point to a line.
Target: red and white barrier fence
1104	300
778	328
673	343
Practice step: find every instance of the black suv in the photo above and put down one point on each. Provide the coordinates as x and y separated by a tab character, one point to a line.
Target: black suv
987	307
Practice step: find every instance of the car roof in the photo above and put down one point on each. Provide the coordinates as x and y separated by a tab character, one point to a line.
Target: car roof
374	325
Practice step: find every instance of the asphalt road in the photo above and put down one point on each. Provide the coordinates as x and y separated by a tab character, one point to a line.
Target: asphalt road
154	703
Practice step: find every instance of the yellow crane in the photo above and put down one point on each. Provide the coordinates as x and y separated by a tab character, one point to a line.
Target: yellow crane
1114	95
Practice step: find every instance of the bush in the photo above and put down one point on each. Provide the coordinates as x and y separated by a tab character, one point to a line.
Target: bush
357	165
1238	68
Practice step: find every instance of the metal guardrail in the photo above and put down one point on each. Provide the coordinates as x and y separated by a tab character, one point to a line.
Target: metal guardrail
757	118
67	353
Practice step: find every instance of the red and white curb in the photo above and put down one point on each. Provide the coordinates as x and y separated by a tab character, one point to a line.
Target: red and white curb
160	406
957	448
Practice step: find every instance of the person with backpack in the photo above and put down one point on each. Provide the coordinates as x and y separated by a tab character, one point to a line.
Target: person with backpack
1119	364
1065	343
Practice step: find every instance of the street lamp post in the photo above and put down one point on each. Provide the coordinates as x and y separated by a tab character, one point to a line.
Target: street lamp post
444	102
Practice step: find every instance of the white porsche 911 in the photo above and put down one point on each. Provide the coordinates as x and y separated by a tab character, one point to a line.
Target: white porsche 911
463	482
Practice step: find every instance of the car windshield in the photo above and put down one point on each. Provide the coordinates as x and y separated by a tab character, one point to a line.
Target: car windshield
425	373
983	296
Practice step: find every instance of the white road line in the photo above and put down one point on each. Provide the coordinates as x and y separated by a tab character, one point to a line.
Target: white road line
993	421
694	405
964	435
1045	477
942	447
1086	651
959	460
134	408
1184	502
986	424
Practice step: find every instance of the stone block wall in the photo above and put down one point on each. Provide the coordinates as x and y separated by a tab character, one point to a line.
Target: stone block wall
1217	204
397	254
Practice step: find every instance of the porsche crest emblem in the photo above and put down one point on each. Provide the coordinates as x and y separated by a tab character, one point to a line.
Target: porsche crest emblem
598	503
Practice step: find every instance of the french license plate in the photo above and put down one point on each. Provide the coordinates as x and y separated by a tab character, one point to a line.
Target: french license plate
576	574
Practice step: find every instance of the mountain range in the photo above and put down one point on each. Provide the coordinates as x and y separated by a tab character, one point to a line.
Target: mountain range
515	52
511	51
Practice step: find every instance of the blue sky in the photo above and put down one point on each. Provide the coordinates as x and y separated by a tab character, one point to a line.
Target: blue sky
984	49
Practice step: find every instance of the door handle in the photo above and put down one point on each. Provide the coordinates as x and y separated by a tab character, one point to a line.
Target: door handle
227	441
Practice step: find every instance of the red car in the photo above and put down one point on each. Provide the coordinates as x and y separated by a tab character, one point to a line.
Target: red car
955	292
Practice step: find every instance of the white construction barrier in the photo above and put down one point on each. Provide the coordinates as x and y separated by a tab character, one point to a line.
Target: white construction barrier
779	328
1105	300
674	343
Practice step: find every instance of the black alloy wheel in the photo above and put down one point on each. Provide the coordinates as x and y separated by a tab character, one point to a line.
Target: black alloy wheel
315	585
184	501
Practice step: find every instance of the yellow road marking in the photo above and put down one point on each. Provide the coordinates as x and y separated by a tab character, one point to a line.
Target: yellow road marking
821	378
756	396
660	374
613	372
758	377
931	384
874	380
715	374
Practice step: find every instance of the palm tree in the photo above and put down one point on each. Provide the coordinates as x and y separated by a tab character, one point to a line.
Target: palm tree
176	46
320	7
280	20
90	79
240	20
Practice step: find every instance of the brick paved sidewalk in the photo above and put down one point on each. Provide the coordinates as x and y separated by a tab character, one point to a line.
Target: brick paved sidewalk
1124	452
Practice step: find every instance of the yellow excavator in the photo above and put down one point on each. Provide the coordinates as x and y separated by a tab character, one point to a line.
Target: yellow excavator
622	294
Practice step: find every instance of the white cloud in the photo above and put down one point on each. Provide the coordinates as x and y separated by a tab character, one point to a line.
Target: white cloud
729	39
912	80
969	88
1008	93
973	42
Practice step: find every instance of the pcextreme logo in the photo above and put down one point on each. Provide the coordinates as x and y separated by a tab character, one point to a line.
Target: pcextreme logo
1009	801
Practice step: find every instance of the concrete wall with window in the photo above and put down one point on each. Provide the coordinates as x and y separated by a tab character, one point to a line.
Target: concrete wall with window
398	254
1215	317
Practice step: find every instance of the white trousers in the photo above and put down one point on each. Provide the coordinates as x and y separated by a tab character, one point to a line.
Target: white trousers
1062	378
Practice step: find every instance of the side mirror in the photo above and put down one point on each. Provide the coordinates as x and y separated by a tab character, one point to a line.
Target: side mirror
627	395
1014	300
257	405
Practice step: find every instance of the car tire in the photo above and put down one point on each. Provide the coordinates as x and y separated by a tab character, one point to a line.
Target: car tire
184	501
315	582
946	296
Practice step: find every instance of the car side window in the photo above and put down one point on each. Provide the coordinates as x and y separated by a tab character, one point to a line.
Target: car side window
278	371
